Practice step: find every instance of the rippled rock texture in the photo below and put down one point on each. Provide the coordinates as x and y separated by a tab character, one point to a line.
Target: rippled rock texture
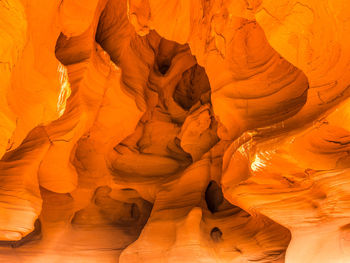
175	131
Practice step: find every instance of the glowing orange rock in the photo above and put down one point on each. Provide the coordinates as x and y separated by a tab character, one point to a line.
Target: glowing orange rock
174	131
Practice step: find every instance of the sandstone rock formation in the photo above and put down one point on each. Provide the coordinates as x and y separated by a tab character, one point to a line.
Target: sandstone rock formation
175	131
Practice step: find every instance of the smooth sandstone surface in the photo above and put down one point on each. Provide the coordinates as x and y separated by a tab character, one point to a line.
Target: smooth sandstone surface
175	131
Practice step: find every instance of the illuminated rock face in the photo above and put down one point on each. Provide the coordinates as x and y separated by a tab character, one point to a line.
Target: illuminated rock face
174	131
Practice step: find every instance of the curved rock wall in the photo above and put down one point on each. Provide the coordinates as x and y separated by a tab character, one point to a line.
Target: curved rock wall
174	131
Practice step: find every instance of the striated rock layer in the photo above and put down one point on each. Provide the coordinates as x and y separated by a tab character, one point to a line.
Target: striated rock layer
175	131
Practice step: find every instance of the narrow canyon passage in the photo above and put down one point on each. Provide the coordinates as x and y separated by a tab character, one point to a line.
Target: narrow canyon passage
175	131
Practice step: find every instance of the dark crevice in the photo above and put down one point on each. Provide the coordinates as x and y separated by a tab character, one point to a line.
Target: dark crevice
216	234
213	196
163	68
193	84
135	212
167	50
238	250
128	189
105	210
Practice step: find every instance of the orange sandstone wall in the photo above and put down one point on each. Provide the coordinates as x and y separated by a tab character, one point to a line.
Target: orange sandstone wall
174	131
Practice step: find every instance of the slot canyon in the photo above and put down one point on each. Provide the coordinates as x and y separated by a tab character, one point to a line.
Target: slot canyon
175	131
